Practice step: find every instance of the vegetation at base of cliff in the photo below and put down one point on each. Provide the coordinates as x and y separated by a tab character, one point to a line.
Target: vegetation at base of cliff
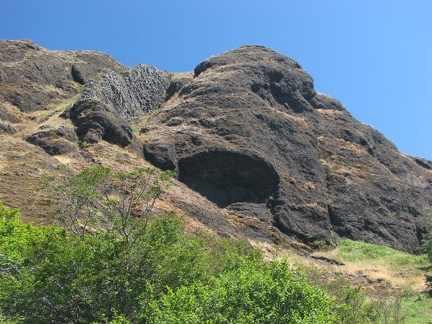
394	273
426	248
113	261
358	251
50	275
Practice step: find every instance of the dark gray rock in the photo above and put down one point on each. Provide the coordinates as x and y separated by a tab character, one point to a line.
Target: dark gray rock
97	121
6	129
8	116
161	156
89	64
133	93
176	84
325	102
27	71
79	73
250	133
55	141
246	130
226	177
35	79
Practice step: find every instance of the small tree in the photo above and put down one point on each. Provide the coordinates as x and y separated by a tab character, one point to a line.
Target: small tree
98	199
98	270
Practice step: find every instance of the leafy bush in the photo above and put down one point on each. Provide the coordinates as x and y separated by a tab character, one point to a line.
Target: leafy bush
167	277
252	293
119	264
426	246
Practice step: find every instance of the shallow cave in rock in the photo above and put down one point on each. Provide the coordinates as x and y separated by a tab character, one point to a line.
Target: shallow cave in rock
226	177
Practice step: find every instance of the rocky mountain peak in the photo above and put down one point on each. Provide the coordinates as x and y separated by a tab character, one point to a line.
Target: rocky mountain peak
257	151
272	76
250	133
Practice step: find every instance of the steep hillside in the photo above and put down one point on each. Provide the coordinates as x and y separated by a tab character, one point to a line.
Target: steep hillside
257	151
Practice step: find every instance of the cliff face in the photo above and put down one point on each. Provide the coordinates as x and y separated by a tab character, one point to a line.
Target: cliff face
270	157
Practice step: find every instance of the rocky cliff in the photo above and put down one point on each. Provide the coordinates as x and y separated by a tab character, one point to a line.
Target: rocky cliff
257	151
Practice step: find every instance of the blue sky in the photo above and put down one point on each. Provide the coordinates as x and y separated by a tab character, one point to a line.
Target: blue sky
373	56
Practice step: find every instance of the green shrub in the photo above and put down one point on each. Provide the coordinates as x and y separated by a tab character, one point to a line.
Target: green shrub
426	246
118	263
166	277
252	293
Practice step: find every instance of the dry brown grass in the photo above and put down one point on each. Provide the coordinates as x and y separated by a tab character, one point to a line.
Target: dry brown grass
394	276
22	168
377	279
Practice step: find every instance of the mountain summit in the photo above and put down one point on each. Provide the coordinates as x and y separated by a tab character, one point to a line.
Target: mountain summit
257	151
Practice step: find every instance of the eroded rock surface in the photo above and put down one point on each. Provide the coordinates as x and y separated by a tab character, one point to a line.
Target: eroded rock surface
134	93
97	121
34	78
262	154
250	133
55	141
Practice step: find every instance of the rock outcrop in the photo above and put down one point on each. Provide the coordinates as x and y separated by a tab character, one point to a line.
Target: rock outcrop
55	141
97	121
34	78
251	134
134	93
246	132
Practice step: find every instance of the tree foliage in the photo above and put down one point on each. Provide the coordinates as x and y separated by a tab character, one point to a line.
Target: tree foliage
426	246
117	264
101	199
166	277
254	292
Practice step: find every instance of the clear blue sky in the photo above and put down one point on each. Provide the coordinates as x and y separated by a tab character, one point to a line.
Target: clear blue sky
373	56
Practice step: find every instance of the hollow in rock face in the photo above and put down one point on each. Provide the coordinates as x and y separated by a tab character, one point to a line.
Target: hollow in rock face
228	177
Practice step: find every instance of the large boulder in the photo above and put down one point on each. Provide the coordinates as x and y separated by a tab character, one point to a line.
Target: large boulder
250	133
97	121
55	140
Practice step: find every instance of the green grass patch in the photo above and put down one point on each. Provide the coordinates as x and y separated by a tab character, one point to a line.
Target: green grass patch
401	270
138	123
57	108
417	309
354	251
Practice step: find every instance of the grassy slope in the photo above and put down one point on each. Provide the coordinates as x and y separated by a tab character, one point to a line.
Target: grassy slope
381	273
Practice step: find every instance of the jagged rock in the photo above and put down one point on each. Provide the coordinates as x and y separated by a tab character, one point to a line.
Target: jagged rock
133	93
250	133
6	129
8	116
37	79
97	121
176	84
423	162
161	156
26	72
55	141
89	64
323	101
